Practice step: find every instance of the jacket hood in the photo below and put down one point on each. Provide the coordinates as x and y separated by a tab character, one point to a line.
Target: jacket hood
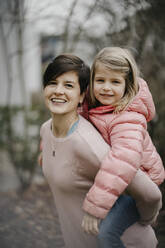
141	103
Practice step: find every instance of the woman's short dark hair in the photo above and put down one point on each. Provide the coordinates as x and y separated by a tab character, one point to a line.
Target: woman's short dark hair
65	63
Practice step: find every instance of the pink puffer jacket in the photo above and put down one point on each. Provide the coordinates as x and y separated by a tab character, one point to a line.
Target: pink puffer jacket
131	149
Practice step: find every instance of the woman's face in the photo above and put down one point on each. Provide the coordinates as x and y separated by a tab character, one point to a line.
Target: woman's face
62	95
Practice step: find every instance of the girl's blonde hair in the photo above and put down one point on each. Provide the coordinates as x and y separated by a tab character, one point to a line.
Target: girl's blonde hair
118	59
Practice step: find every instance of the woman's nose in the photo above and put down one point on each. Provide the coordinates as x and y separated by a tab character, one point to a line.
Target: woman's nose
59	89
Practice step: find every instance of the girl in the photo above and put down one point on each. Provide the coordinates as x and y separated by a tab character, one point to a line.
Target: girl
120	107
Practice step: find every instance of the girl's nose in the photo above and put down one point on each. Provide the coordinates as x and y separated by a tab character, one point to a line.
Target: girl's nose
107	86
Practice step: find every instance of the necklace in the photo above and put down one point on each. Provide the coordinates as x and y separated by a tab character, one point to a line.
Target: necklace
71	129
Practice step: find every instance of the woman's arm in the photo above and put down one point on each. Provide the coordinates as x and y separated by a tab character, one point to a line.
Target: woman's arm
140	237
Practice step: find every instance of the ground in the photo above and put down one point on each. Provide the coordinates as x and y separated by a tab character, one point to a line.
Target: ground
30	220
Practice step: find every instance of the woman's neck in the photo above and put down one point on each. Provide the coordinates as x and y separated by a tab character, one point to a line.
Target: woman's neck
62	124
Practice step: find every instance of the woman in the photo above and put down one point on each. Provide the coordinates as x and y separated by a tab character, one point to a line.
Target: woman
72	151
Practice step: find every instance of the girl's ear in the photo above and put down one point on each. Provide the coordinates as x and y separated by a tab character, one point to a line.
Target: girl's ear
82	97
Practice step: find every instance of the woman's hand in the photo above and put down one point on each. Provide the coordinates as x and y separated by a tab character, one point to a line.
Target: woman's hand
40	159
90	224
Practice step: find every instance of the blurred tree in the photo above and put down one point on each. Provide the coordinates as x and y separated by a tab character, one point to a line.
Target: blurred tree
17	122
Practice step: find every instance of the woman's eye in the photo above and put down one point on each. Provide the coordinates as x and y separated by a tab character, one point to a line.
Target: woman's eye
69	85
52	83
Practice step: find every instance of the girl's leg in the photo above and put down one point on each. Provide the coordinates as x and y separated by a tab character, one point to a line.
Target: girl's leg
122	215
147	196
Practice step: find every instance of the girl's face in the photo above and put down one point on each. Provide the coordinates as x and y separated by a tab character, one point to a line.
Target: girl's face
62	95
109	85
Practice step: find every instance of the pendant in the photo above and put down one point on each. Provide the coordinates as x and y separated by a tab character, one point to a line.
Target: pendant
53	153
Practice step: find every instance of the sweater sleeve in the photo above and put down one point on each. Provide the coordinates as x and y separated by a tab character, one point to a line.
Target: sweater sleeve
118	167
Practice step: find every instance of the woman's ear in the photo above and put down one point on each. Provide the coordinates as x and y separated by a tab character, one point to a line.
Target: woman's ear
82	97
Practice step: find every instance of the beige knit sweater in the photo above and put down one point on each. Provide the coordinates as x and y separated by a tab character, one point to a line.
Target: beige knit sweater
70	165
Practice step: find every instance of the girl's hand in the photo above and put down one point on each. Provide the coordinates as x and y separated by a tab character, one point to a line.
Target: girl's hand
90	224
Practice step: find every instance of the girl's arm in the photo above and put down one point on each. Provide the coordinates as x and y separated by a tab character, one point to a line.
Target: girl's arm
118	168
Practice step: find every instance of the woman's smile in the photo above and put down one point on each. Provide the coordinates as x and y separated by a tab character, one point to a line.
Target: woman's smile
62	95
58	100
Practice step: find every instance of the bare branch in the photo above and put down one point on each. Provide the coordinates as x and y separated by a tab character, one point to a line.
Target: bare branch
67	25
80	28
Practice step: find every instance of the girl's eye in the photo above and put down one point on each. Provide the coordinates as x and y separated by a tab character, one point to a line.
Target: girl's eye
99	80
116	82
